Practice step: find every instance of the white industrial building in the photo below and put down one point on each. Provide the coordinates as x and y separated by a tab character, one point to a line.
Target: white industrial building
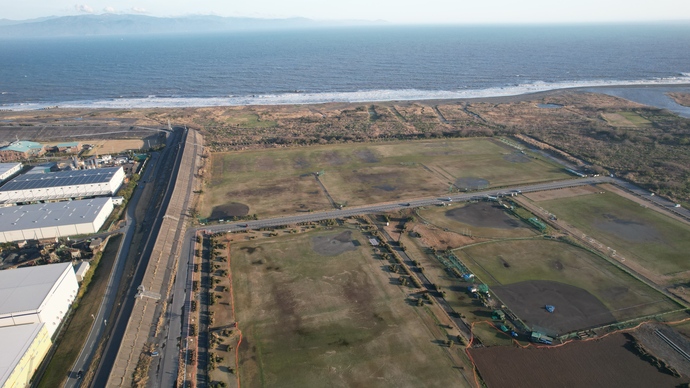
62	185
53	220
23	350
9	169
41	294
81	269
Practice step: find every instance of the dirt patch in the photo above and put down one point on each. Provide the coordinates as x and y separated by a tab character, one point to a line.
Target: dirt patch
517	157
576	308
483	215
471	183
608	362
441	240
367	156
251	250
628	230
562	193
286	305
379	180
333	245
265	163
301	163
386	187
652	339
234	209
333	158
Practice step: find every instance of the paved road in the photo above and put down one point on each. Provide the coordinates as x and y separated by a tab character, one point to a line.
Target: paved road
164	371
352	211
166	171
106	307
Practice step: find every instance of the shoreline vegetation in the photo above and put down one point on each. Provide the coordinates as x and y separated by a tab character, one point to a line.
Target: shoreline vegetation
646	145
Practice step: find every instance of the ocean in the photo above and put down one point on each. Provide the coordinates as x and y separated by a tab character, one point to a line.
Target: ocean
339	64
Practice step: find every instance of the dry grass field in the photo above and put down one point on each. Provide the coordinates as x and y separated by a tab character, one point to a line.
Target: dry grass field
279	181
482	219
604	363
101	147
656	242
317	309
592	288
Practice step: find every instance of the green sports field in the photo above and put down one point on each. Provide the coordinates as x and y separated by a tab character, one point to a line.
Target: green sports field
658	243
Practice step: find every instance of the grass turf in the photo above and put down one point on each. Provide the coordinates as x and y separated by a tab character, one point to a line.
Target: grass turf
313	320
508	262
278	181
653	240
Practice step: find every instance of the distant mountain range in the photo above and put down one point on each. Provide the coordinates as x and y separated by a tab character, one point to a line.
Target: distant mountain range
112	24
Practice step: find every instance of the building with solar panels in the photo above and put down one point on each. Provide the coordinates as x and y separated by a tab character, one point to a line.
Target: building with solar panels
54	220
62	185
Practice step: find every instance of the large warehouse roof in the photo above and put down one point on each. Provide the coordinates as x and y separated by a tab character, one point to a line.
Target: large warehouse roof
25	289
21	146
45	215
60	179
4	167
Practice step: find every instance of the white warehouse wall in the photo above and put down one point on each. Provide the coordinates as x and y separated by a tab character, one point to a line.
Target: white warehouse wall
56	305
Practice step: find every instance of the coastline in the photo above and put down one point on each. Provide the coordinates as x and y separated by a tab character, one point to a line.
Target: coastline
652	94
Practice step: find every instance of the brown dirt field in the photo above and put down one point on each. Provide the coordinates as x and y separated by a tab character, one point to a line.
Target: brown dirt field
562	193
484	215
440	240
101	147
605	363
576	308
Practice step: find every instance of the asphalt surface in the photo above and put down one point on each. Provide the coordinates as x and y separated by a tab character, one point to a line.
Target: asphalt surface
165	172
106	308
165	367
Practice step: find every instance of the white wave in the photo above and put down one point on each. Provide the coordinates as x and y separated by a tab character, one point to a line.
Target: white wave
152	101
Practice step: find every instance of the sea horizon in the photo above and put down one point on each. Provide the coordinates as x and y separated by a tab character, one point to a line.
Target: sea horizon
372	64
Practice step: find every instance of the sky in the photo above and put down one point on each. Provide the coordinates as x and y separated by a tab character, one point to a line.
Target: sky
393	11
